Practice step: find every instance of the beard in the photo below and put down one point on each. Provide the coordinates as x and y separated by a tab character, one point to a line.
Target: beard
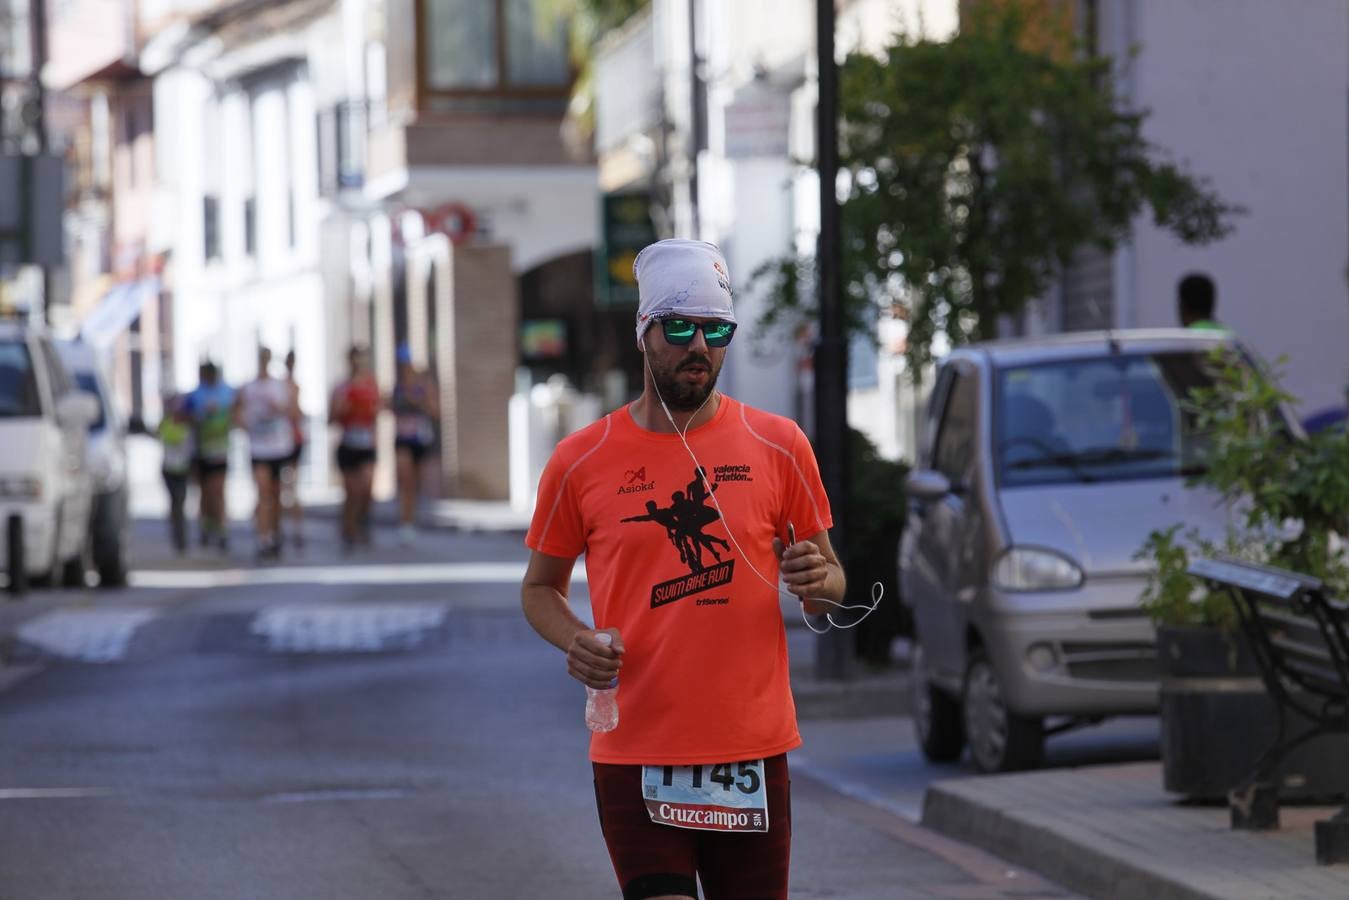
681	395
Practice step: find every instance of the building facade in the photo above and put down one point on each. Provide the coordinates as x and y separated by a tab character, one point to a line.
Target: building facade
1255	97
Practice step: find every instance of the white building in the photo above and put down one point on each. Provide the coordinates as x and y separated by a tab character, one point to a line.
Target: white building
237	206
1251	94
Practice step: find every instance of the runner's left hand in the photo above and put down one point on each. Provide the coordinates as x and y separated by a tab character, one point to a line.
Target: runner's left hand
803	566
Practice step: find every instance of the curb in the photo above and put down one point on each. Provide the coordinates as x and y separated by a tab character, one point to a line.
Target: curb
1054	850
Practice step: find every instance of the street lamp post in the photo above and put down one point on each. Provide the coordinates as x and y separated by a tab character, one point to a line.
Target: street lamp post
833	655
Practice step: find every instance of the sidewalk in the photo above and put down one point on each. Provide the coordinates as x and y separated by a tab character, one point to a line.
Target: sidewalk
1112	832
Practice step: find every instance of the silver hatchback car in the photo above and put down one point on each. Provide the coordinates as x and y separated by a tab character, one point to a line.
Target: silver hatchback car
1045	465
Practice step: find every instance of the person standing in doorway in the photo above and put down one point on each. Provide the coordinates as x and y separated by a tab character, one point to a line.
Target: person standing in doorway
175	440
210	406
290	470
415	403
1196	299
355	409
264	408
694	641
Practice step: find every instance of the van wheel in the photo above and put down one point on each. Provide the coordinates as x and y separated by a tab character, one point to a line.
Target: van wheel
936	714
1000	740
18	561
73	569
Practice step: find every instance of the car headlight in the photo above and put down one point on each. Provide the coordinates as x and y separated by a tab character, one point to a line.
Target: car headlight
1034	569
21	488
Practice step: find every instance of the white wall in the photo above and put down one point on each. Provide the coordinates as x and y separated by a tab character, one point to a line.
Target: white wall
1255	95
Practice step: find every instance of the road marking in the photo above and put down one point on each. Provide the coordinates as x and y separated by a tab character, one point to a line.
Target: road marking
363	627
413	573
53	793
87	635
329	795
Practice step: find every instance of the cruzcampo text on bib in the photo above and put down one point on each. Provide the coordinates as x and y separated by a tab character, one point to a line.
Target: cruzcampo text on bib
720	797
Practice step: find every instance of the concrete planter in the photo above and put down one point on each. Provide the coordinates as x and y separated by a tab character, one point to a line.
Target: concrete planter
1217	719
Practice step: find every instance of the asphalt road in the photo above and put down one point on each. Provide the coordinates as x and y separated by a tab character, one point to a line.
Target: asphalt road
381	726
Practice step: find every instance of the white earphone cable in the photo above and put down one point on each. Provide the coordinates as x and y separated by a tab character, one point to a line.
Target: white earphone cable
877	589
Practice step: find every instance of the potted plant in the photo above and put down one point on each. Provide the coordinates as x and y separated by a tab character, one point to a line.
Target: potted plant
1289	494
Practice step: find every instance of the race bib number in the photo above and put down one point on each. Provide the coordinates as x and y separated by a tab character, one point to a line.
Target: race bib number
722	797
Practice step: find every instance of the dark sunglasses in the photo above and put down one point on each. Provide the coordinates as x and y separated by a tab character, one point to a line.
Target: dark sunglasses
681	331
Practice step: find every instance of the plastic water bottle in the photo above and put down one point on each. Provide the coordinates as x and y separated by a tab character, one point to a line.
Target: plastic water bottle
602	705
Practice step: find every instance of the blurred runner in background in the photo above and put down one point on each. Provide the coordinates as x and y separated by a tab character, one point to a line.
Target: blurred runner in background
415	403
175	440
264	408
210	407
355	408
290	471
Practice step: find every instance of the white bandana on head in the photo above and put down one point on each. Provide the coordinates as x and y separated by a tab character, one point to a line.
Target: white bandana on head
676	277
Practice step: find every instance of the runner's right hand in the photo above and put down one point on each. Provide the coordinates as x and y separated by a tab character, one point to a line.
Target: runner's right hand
592	663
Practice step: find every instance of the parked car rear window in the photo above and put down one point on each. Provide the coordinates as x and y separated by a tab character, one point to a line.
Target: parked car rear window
1098	419
18	385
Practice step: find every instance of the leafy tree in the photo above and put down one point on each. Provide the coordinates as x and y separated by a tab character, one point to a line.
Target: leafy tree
975	167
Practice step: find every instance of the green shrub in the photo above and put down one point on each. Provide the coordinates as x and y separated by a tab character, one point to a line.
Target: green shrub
1289	491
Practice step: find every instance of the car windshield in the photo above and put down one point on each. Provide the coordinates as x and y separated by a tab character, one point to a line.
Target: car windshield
87	381
1100	419
18	386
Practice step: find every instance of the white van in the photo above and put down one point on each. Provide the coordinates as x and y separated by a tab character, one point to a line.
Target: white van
110	520
45	485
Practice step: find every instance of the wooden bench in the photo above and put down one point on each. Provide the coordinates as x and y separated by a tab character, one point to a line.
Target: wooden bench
1300	638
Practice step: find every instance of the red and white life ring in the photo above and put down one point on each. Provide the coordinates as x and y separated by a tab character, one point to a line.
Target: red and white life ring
454	220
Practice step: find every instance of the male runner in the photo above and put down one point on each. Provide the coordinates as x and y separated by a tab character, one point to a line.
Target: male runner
692	785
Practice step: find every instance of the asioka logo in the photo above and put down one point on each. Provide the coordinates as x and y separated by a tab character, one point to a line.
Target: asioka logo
634	482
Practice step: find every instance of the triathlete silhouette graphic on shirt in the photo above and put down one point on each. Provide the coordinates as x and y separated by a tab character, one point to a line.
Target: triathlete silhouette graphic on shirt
684	520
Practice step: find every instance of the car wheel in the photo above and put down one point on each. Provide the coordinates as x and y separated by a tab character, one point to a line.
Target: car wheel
936	714
74	569
110	548
112	573
16	555
1000	740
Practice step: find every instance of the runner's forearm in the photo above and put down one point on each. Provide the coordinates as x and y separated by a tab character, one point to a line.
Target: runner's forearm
549	613
835	586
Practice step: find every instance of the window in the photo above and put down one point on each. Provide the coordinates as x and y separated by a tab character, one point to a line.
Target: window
1098	419
955	441
493	46
251	225
210	208
18	389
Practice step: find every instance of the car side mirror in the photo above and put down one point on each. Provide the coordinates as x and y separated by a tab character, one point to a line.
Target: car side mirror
77	408
927	484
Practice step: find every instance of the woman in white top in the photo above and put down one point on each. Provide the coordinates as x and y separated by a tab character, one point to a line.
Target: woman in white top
265	408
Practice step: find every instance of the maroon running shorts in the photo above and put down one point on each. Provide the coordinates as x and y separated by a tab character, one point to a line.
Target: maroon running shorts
651	860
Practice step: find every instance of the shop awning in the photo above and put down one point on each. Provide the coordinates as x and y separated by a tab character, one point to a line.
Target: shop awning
117	310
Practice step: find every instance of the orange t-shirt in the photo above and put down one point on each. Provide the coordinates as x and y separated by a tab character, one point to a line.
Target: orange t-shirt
704	676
